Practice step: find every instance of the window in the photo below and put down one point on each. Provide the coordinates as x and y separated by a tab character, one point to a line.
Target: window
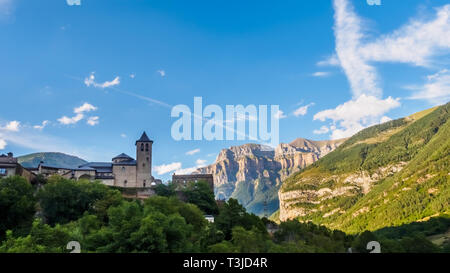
146	147
148	159
123	169
125	182
142	147
3	172
144	183
143	164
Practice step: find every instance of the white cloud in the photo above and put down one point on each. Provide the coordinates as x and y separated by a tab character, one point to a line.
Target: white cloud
123	135
176	167
42	126
163	169
67	121
2	144
186	171
280	115
90	81
321	74
362	77
200	163
436	90
303	110
79	111
86	107
162	73
414	43
330	61
133	76
417	43
93	121
74	2
12	126
193	152
355	115
322	130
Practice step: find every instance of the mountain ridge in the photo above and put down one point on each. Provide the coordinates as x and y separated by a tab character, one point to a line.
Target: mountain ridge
56	159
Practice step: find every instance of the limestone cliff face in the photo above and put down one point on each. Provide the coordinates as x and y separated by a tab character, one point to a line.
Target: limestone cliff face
252	173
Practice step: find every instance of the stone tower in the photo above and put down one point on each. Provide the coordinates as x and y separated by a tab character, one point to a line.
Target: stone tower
144	161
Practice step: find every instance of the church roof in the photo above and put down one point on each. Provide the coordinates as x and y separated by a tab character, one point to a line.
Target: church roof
131	162
122	155
144	138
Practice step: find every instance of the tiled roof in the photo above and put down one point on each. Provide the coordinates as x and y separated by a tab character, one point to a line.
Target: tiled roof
122	155
127	163
144	138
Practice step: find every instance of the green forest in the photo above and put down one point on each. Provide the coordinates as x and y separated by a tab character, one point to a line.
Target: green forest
43	216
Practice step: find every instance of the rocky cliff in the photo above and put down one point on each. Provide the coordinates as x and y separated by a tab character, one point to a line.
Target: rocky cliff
253	173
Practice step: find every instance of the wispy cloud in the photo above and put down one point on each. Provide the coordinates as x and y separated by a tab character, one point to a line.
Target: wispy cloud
302	110
167	168
73	2
92	121
322	130
436	90
417	43
177	167
162	73
280	115
41	126
90	81
321	74
193	152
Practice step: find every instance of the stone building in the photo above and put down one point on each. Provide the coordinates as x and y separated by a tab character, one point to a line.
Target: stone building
10	167
123	170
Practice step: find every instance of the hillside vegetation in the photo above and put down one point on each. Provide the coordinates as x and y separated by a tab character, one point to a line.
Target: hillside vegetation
387	175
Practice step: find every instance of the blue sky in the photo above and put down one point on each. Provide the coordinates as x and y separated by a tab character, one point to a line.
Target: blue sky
88	79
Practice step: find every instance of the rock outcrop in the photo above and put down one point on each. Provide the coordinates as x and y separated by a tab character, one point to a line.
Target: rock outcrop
253	173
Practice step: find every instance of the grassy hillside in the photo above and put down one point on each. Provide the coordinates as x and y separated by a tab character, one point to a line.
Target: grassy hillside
53	159
417	149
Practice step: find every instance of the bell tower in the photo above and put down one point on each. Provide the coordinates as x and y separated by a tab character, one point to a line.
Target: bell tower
144	161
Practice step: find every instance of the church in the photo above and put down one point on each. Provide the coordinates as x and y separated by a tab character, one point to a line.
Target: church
123	170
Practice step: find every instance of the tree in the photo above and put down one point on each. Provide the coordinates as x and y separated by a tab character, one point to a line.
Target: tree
64	200
17	205
234	214
165	190
202	196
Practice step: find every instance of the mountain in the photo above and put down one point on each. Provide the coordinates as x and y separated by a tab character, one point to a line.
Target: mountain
252	173
53	159
387	175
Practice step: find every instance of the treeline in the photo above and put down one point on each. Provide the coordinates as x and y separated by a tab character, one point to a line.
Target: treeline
46	216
